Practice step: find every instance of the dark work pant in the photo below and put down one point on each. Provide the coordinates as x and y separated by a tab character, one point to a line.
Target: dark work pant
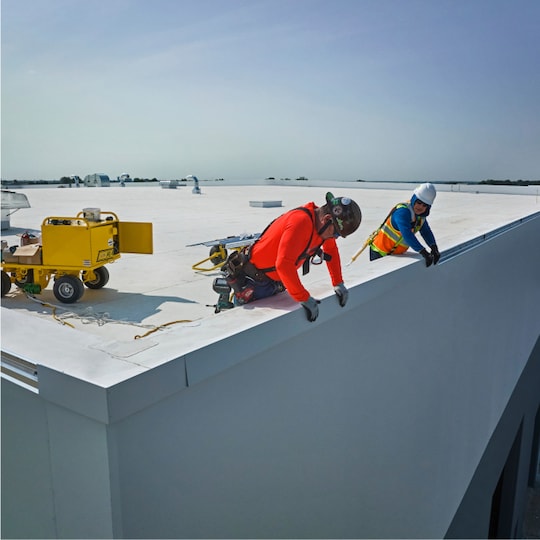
374	255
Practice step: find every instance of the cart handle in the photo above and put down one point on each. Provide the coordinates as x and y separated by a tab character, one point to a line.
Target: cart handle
102	212
67	220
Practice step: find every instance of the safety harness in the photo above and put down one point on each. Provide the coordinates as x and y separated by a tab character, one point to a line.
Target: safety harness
398	240
305	256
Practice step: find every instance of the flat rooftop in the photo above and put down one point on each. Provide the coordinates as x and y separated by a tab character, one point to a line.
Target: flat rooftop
156	307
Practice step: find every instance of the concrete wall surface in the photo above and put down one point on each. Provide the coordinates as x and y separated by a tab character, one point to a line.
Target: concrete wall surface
370	422
496	500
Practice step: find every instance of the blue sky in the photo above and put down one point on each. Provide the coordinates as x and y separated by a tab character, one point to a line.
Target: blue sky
412	90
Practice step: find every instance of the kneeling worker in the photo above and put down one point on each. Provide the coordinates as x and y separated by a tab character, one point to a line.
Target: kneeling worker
398	231
294	239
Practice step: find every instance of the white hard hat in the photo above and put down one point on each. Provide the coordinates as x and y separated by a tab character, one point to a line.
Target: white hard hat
426	193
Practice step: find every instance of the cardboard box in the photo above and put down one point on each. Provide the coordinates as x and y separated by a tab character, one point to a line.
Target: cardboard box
29	254
8	257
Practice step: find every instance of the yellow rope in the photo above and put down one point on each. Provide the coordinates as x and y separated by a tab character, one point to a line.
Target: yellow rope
72	326
65	323
54	316
160	327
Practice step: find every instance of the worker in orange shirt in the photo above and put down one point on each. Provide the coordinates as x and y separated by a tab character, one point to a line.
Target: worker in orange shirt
297	238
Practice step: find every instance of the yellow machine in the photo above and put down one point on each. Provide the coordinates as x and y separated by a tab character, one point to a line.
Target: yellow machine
74	250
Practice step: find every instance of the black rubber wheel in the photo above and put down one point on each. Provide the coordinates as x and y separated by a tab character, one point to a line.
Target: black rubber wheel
29	278
6	283
102	278
68	289
217	258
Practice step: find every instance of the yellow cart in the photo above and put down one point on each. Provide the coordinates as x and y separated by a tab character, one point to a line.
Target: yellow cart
74	251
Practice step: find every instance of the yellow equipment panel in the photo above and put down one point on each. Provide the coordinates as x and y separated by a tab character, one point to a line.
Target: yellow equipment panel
135	237
78	242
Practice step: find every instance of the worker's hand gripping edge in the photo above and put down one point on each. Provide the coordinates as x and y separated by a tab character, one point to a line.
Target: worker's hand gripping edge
427	256
435	252
342	293
312	308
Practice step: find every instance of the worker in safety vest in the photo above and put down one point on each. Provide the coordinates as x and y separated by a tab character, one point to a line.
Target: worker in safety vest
297	238
398	231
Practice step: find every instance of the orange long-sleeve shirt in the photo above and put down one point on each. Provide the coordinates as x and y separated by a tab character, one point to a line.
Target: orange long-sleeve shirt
282	244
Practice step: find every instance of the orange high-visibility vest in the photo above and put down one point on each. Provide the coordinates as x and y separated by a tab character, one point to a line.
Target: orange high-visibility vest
389	240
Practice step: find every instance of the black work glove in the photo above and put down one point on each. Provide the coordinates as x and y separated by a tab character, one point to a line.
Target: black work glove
312	308
342	293
435	253
427	256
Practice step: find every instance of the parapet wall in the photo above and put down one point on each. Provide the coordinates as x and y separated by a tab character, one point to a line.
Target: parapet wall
370	422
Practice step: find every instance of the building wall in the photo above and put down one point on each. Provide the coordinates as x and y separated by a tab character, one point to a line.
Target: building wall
516	437
384	419
27	495
56	479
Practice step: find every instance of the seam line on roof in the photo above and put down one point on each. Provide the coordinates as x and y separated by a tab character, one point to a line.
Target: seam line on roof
462	248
